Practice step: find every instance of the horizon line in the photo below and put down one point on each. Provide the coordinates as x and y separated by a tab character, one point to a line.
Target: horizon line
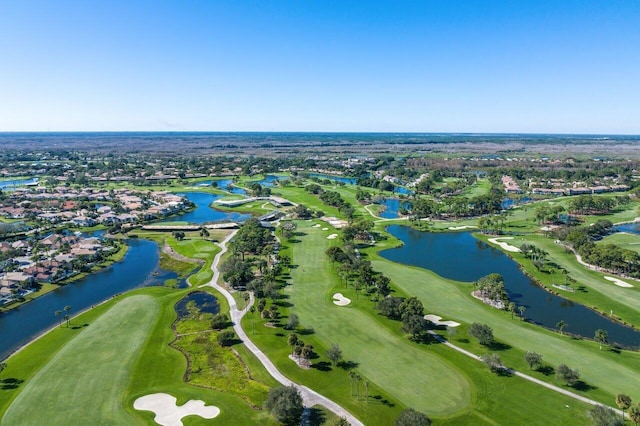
353	132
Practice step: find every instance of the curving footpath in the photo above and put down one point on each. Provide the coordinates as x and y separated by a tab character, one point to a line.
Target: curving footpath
309	396
524	376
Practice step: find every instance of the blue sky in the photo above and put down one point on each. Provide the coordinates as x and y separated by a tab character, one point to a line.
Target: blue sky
424	66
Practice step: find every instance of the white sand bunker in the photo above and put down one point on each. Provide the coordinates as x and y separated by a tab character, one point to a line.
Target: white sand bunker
618	282
325	229
168	413
340	300
317	225
332	237
505	246
457	228
438	321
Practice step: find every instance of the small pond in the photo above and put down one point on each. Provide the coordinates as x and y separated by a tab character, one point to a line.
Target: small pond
460	256
343	179
203	301
11	184
392	207
268	181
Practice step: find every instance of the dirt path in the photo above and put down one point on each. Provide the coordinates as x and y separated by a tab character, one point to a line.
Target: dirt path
309	396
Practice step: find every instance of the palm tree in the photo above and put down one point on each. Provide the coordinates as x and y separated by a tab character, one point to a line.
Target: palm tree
293	339
3	365
624	402
521	309
358	379
512	308
561	325
59	315
601	336
66	310
366	391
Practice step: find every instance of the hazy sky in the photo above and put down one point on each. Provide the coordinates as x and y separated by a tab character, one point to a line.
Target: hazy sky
426	66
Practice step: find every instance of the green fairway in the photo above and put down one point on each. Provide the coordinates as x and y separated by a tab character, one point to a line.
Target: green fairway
608	371
83	383
624	240
417	378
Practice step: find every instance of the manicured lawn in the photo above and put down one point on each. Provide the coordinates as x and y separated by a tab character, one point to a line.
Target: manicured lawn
624	240
130	345
437	388
85	379
405	373
611	373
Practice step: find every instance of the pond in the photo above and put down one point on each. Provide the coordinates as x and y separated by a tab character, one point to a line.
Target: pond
203	212
268	181
223	184
392	207
459	256
203	301
138	268
10	184
345	180
631	228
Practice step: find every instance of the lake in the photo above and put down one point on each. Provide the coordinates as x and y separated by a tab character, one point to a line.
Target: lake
138	268
203	212
223	184
461	257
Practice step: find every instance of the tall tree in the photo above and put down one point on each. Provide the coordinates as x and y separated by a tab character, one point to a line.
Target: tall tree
334	353
624	402
605	416
66	314
285	403
292	340
561	325
601	336
533	359
411	417
59	315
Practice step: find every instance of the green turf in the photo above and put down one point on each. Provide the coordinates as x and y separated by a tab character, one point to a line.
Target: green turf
438	388
602	369
624	240
83	382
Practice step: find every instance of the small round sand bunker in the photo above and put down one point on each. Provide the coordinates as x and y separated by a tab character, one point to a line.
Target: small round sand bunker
332	237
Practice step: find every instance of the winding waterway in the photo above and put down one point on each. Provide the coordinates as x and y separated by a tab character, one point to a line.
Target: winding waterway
459	256
138	268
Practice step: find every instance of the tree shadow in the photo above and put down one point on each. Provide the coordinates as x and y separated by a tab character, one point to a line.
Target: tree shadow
283	304
294	240
504	372
463	340
306	331
547	370
348	365
583	386
75	327
498	346
380	400
316	417
10	383
321	366
280	334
